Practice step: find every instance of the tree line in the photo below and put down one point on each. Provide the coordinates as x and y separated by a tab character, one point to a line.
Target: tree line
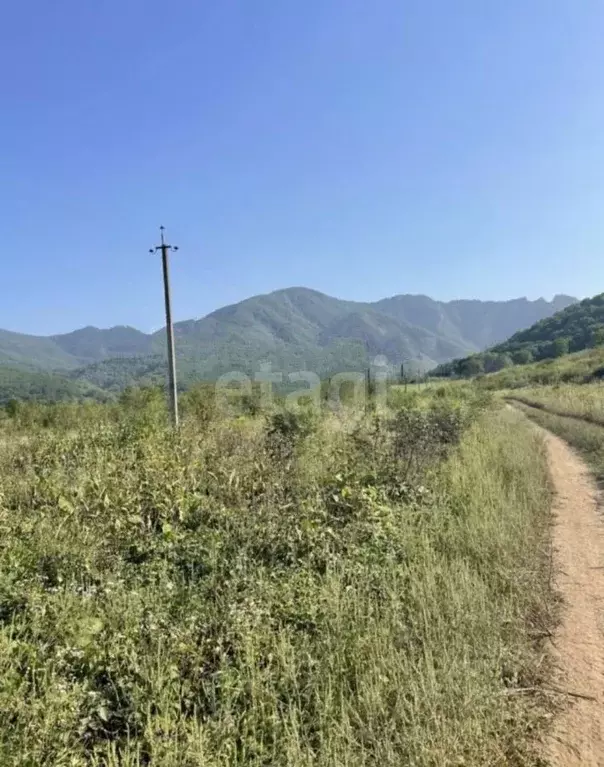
578	327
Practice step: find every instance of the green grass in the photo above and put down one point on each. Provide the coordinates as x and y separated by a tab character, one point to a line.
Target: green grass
586	402
334	589
577	368
576	414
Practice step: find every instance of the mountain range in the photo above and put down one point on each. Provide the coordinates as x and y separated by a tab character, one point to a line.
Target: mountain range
293	329
578	327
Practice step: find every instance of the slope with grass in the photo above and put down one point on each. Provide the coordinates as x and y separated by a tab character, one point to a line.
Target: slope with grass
581	367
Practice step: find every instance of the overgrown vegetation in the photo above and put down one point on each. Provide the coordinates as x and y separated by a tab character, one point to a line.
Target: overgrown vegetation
582	367
357	587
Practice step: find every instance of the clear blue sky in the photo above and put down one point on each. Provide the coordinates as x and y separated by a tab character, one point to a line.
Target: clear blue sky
360	148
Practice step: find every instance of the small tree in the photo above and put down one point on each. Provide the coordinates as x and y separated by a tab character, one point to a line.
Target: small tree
494	362
522	357
471	366
597	336
505	361
560	347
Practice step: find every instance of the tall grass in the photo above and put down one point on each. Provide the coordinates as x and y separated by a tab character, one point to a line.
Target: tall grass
282	589
573	400
581	367
586	437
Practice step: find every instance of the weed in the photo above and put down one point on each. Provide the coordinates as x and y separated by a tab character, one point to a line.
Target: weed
292	588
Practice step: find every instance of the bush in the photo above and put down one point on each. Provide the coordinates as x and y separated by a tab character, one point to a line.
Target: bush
293	588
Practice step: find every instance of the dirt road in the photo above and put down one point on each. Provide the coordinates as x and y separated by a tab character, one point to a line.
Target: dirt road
577	736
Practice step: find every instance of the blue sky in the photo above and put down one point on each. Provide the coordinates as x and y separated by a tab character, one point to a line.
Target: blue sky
360	148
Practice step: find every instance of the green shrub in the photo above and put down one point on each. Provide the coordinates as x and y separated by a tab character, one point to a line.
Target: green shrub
291	588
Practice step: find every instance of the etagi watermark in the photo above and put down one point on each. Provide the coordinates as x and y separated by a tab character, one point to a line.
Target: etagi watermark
352	387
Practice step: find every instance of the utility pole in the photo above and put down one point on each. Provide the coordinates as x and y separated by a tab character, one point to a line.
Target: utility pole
173	393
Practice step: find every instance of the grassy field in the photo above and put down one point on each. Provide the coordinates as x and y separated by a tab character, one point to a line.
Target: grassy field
282	588
581	367
575	413
585	401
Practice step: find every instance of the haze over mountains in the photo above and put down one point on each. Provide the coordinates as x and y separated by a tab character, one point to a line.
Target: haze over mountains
574	329
294	329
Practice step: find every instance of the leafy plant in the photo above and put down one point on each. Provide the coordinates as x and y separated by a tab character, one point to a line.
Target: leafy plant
285	588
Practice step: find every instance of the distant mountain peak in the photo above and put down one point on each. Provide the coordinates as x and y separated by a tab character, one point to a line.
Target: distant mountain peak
575	326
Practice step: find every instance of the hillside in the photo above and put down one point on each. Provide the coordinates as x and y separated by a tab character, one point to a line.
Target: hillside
20	350
300	328
71	350
41	386
293	329
580	367
91	344
479	324
575	328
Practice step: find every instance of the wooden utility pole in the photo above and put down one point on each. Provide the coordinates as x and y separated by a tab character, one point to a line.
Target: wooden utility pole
172	390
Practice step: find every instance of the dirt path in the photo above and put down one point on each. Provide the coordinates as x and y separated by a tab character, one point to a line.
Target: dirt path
577	736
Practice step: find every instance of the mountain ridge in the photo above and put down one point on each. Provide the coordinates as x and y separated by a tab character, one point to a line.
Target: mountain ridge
566	300
574	328
291	328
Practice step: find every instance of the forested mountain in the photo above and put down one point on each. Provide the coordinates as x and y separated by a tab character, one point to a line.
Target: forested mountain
579	326
41	386
474	323
71	350
293	329
19	350
92	344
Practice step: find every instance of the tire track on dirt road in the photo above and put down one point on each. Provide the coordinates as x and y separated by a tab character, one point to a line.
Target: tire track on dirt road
577	734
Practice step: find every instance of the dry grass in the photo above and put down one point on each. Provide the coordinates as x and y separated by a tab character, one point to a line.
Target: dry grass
578	401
